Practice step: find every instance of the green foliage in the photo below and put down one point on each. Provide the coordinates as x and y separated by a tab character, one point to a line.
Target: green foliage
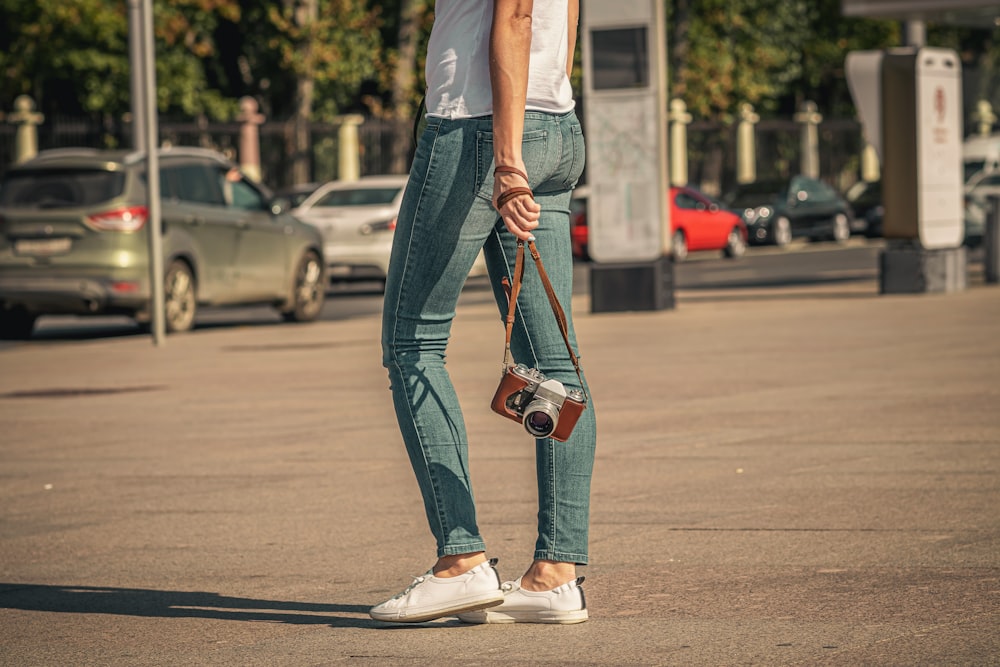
770	53
738	51
72	55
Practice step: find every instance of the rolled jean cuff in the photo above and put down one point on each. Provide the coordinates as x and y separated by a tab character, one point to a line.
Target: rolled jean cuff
456	549
562	557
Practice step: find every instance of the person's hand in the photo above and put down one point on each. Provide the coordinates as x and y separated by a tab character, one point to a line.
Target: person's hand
520	214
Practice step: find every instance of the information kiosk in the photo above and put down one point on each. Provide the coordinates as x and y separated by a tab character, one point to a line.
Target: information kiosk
910	101
625	116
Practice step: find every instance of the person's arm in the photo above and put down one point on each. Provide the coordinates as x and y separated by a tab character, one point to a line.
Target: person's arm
510	51
574	20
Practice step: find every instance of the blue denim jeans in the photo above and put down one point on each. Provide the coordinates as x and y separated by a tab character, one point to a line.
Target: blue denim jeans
445	219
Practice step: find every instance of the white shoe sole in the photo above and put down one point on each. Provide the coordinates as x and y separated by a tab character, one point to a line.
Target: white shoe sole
454	608
556	617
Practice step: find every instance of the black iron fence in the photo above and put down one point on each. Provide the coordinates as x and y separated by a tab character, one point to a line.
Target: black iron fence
387	147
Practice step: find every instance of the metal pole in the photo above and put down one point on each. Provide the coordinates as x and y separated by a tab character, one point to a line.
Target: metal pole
152	175
135	46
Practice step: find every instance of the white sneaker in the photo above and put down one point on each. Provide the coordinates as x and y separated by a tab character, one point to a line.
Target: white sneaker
563	604
430	597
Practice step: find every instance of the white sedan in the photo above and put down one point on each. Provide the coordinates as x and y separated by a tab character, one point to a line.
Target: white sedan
357	220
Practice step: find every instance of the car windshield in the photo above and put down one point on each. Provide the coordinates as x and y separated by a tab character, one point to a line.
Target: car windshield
973	167
59	188
359	197
755	194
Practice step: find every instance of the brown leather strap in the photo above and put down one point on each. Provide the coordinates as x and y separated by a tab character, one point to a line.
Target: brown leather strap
507	169
515	289
510	194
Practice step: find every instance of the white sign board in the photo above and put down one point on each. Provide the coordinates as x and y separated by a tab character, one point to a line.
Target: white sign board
939	148
910	104
625	116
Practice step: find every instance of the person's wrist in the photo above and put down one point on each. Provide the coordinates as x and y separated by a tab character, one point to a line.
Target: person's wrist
502	169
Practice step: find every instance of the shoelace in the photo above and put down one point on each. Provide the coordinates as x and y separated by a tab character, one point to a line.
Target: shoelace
416	582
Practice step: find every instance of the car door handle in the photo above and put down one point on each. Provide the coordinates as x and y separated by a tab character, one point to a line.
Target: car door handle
243	224
193	220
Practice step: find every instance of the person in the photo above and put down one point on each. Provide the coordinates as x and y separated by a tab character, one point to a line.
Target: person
500	119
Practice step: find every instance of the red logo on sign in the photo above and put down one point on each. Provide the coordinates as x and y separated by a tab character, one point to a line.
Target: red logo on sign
939	104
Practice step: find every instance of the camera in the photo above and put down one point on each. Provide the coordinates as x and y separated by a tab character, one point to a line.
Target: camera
544	406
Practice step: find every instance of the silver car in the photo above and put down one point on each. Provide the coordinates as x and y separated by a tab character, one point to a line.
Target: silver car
74	240
357	219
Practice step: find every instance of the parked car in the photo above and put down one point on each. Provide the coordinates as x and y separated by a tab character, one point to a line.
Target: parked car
293	195
865	198
776	211
979	191
74	240
578	222
357	219
980	154
697	223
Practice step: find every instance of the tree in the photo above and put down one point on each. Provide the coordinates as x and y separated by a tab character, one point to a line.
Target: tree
726	52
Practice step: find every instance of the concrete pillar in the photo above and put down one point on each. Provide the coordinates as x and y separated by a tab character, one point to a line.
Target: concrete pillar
349	164
915	33
679	120
746	145
985	117
250	122
871	168
27	121
810	118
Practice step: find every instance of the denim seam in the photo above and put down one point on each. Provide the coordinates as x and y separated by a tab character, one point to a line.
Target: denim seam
395	356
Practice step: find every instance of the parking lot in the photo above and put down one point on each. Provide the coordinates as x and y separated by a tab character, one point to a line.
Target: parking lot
802	473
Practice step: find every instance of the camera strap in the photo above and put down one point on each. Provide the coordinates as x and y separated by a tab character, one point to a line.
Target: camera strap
515	288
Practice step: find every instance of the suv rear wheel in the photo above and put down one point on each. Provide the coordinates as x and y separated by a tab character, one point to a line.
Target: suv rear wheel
179	301
309	291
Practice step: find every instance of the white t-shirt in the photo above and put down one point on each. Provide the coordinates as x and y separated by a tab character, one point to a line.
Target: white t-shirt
458	70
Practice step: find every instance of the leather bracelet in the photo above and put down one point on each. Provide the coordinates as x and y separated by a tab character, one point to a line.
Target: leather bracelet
510	194
507	169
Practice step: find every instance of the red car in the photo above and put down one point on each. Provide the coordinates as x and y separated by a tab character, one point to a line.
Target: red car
697	222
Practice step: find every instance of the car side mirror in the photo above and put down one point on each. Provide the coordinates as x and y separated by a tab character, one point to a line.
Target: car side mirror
279	205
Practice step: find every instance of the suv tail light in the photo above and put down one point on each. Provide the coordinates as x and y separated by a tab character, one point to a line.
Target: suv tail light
124	219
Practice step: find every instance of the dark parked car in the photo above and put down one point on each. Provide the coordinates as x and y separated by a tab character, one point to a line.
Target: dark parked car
776	211
74	240
865	198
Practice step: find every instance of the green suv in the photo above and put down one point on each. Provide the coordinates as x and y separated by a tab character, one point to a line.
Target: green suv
74	240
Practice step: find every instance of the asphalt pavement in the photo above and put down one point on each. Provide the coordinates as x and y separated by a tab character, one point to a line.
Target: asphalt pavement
786	475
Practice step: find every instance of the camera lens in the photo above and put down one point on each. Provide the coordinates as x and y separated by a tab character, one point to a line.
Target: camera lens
540	418
539	424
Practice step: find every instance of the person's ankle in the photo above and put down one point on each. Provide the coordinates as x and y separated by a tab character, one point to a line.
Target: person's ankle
454	565
544	575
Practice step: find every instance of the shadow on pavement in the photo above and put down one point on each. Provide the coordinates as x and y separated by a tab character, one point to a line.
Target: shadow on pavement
177	604
692	296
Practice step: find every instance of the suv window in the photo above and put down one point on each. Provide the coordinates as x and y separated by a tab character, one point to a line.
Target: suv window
63	187
194	184
239	193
